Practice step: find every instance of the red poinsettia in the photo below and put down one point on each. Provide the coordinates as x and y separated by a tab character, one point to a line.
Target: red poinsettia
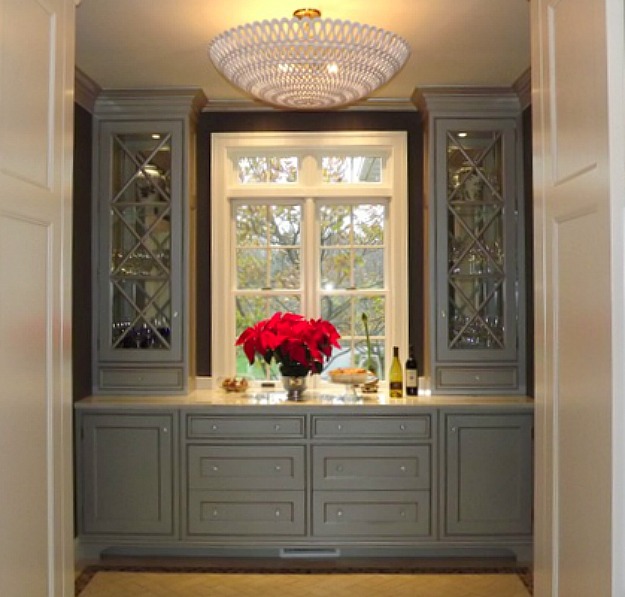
291	340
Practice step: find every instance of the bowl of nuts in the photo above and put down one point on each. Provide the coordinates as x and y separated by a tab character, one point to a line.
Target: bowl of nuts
234	384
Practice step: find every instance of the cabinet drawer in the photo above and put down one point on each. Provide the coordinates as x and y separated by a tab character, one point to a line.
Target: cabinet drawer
249	427
371	467
384	427
245	513
140	378
371	513
504	378
246	467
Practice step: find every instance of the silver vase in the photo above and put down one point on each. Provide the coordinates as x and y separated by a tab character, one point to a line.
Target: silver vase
295	386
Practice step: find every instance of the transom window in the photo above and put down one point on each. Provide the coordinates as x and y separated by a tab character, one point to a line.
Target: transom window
314	224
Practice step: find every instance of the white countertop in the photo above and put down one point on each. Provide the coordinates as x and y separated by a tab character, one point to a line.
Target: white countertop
314	398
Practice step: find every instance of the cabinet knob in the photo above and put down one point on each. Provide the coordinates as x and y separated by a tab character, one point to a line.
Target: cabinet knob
165	430
453	430
402	468
277	513
339	427
214	427
402	427
215	513
278	468
339	468
402	513
276	427
339	513
215	468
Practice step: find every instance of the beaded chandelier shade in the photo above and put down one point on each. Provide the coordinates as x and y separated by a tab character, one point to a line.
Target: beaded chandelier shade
308	63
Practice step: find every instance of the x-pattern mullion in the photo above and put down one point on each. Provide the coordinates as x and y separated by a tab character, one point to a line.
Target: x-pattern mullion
475	311
142	313
140	237
140	165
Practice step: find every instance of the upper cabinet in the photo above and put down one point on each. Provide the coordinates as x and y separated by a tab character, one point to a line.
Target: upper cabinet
144	211
475	231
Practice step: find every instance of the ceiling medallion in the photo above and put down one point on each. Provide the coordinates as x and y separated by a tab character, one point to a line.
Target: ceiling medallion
307	62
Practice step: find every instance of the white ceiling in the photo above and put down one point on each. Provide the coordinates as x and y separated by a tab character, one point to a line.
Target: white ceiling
162	43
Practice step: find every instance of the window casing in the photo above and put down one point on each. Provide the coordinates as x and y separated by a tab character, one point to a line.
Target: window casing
314	223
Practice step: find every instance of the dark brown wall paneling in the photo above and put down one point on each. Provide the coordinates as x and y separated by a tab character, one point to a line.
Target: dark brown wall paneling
306	122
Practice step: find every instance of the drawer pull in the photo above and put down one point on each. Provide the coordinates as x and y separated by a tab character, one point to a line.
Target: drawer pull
339	513
278	468
402	427
215	513
215	468
339	427
277	513
276	427
402	468
214	427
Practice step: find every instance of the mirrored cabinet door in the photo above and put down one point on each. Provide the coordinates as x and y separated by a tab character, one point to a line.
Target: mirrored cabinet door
140	233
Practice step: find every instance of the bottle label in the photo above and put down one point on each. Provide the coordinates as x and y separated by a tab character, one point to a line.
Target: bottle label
396	389
412	378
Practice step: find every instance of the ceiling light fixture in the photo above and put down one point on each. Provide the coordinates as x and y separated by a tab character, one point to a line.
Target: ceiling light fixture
306	62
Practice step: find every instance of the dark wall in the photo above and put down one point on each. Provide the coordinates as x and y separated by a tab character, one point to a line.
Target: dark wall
302	122
81	255
529	247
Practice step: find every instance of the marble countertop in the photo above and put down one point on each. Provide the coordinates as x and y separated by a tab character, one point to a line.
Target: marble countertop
205	398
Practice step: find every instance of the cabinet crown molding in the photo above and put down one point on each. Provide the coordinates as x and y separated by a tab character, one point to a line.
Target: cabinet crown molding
487	102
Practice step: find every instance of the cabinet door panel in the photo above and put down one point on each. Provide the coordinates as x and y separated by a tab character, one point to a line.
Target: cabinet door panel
488	468
127	466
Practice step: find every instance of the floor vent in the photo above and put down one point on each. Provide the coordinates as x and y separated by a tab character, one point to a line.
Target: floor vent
309	552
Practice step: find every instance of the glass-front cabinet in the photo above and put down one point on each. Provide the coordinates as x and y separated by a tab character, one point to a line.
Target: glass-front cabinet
476	265
142	239
142	254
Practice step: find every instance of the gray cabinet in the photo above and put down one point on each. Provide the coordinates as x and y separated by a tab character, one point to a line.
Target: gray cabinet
126	482
143	232
432	479
476	327
488	476
245	478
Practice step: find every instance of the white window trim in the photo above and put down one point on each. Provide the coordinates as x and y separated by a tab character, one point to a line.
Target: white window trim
225	186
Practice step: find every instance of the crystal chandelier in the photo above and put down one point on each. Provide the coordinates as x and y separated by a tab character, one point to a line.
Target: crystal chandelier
306	62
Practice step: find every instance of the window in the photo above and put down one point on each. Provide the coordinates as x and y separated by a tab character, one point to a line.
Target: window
312	223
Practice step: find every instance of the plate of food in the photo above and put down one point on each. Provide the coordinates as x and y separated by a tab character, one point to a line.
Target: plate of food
352	377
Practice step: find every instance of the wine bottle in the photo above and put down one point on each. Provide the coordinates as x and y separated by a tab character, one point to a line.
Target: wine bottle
412	374
396	377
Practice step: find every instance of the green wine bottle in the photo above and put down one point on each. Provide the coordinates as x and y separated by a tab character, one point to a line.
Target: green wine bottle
396	376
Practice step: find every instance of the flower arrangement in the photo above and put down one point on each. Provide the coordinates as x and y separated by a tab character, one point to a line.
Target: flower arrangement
297	344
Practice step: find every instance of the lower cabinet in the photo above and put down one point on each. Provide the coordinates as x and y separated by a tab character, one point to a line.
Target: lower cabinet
424	478
245	490
488	474
125	474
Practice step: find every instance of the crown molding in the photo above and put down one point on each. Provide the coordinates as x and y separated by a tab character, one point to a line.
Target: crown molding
86	90
142	103
371	104
523	88
482	102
